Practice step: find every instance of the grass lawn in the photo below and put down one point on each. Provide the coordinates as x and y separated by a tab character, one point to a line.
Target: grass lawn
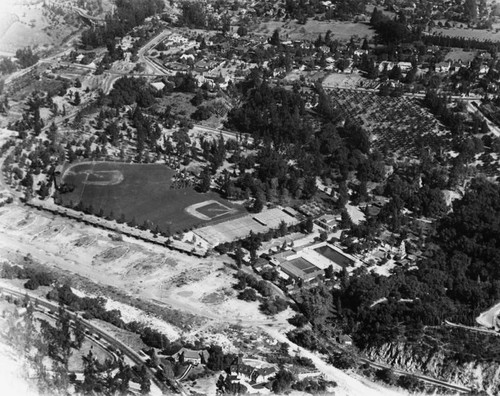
140	191
75	362
292	30
479	34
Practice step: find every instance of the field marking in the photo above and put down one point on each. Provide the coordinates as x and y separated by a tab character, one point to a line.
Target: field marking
115	177
193	210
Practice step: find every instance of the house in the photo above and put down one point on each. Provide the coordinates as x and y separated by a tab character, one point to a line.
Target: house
158	85
443	67
263	374
327	222
360	52
405	66
187	57
483	69
385	65
301	270
260	264
344	339
192	356
242	371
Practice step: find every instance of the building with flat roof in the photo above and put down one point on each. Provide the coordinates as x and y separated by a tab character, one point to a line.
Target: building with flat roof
301	269
307	263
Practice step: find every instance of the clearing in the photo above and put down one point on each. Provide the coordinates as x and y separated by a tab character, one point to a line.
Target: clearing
292	30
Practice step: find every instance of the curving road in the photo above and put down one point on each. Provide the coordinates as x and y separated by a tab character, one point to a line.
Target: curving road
157	387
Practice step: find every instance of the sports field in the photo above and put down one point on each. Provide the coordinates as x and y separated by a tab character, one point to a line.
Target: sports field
227	231
142	192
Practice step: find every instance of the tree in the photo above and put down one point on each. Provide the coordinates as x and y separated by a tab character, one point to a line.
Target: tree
248	295
253	243
238	256
275	38
283	228
329	272
90	373
409	382
387	375
205	180
225	24
144	380
77	100
309	188
78	333
309	225
345	220
242	31
258	204
282	381
26	57
470	10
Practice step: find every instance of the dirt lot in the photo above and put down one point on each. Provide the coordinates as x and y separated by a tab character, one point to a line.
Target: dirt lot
341	80
32	25
167	279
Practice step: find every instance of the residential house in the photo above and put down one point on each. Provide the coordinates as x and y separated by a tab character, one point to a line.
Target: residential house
242	371
192	356
386	65
443	67
405	66
344	339
327	222
263	374
158	85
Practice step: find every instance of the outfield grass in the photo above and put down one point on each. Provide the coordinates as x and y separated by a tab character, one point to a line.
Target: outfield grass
142	193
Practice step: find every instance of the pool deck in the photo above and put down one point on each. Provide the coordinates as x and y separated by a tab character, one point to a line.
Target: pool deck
310	254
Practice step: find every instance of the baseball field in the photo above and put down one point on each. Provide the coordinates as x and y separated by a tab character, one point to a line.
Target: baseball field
141	193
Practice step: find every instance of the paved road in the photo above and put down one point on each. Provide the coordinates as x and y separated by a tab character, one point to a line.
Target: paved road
148	46
424	378
378	365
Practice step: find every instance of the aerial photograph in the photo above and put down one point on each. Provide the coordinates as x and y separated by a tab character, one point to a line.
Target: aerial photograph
249	197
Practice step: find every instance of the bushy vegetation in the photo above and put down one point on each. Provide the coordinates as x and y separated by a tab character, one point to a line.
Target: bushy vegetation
26	57
130	90
35	277
455	282
290	156
127	15
43	346
94	308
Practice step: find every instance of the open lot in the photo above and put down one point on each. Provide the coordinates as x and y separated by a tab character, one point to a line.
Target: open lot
22	25
292	30
479	34
142	192
166	279
458	54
